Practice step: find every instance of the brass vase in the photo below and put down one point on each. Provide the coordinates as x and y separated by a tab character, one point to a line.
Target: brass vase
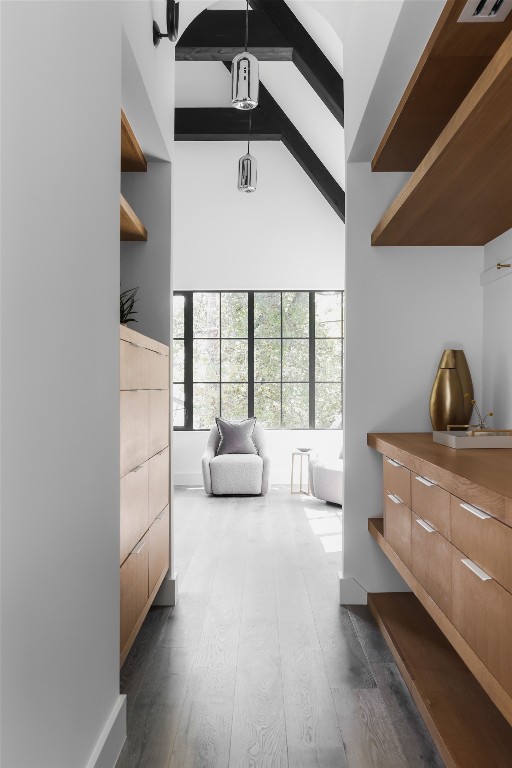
447	399
455	358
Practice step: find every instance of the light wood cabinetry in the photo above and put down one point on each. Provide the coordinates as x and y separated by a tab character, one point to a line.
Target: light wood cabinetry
459	565
144	518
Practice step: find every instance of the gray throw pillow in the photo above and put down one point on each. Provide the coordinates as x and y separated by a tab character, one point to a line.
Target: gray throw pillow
236	436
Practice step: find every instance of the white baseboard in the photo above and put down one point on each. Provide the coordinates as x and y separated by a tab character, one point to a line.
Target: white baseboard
112	737
351	592
168	592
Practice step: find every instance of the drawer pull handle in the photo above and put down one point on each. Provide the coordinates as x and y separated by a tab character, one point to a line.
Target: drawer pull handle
476	570
424	480
475	511
395	499
425	525
393	462
138	548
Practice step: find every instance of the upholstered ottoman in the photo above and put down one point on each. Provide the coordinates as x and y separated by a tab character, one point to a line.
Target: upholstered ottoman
239	473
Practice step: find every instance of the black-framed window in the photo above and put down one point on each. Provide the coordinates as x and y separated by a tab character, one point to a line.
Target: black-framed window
277	355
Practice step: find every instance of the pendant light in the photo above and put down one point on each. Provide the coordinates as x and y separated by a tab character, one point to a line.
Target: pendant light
247	168
244	75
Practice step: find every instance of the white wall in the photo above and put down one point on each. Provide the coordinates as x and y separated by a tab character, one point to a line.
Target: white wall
284	235
497	343
61	99
403	307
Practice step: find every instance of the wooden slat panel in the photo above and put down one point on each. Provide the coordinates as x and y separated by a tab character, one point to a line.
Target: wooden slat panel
459	194
134	590
134	429
397	529
454	58
158	483
131	226
432	564
142	368
482	613
432	503
158	420
466	727
487	542
134	508
128	333
132	156
397	480
158	543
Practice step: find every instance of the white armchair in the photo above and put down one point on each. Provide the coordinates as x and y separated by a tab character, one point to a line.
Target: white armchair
236	474
326	479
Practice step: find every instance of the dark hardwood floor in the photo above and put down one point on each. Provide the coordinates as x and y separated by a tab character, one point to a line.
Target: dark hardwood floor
258	666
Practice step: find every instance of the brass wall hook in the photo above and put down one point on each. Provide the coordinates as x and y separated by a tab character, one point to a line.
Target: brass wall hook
503	266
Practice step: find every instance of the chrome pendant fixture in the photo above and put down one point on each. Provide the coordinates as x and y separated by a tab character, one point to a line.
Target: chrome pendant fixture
244	75
247	168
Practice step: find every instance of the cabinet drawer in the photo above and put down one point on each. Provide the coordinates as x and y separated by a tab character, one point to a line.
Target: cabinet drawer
158	420
482	613
141	368
134	588
483	539
431	503
397	527
134	429
397	480
432	563
158	483
134	508
158	541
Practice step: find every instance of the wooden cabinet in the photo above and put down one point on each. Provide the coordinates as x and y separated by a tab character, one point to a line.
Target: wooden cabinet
459	559
432	563
397	480
397	527
144	438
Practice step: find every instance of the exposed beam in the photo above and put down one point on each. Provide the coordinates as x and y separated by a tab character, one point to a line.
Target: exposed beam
269	123
307	56
219	36
223	124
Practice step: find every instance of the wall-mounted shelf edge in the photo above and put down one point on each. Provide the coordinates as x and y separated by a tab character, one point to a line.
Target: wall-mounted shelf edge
460	192
132	228
132	157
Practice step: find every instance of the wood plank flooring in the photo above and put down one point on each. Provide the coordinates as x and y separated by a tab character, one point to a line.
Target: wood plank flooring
258	666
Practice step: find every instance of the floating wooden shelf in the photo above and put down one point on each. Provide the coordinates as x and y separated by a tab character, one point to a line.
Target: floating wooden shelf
132	156
453	60
464	723
131	226
460	193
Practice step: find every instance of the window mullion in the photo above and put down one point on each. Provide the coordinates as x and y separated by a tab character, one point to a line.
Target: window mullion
250	353
312	331
189	359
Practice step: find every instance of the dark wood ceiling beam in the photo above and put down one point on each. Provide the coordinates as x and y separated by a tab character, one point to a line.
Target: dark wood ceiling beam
220	35
307	56
223	124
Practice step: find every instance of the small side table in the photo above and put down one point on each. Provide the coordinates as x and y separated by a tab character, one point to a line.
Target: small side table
301	455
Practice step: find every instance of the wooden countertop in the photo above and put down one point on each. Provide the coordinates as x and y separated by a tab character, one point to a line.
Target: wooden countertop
482	477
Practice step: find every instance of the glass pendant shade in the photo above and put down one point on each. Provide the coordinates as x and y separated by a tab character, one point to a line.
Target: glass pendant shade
244	81
247	173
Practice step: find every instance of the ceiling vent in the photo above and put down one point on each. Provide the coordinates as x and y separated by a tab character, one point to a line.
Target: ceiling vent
486	10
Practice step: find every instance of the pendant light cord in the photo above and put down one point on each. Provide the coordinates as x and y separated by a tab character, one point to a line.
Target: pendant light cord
249	137
246	25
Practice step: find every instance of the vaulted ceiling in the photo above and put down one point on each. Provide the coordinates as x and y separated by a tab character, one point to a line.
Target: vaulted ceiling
301	92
